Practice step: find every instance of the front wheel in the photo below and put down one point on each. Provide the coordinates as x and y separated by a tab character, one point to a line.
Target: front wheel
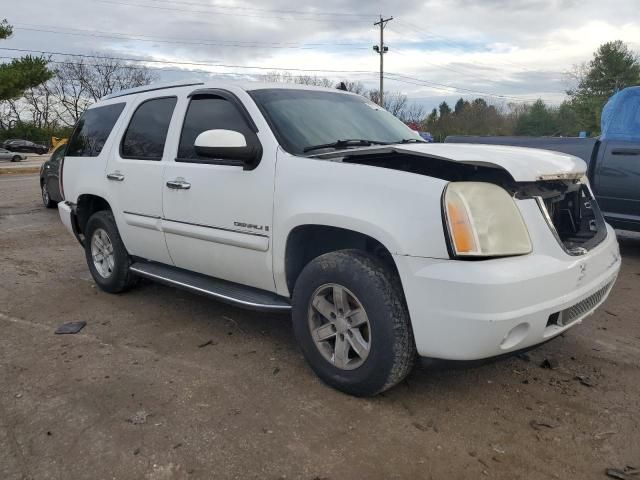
106	255
352	323
16	158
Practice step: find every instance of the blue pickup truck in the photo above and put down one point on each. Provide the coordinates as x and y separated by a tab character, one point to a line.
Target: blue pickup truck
613	158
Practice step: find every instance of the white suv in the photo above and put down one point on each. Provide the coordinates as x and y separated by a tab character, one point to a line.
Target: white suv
279	197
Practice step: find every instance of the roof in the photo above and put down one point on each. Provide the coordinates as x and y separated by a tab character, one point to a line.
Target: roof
244	85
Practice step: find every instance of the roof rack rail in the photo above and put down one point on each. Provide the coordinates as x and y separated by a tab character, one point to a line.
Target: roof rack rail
150	88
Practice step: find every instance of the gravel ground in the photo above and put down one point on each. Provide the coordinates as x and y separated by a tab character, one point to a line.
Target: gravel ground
164	384
31	165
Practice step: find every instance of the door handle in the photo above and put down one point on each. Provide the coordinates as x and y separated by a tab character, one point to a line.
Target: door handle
117	176
178	184
626	151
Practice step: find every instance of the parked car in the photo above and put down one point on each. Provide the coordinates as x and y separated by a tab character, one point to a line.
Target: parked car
25	146
426	136
13	156
613	158
319	202
50	178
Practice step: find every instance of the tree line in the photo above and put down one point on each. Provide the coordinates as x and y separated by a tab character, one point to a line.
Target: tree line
40	98
613	67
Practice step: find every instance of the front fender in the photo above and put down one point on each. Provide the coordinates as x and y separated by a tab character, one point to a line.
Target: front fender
400	210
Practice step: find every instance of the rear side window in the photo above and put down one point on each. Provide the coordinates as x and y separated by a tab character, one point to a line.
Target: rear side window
147	132
208	113
93	129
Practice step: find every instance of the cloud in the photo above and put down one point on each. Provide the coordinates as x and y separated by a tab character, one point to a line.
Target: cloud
515	49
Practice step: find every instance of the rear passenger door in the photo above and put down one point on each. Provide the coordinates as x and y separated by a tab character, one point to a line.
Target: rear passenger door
134	176
218	223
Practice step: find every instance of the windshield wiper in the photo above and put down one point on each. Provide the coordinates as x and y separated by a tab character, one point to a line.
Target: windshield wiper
412	140
350	142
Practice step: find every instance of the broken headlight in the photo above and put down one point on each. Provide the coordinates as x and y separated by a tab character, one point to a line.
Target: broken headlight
483	221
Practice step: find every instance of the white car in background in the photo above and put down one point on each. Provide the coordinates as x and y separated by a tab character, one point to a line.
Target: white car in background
319	202
12	156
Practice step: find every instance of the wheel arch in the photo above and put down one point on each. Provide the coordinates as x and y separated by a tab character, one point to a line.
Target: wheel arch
87	205
308	241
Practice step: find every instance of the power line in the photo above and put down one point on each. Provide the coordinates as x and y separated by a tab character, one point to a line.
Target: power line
236	14
143	38
176	62
436	85
467	74
240	42
178	70
389	75
463	46
292	12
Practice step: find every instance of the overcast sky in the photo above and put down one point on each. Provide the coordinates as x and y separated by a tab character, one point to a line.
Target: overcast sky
505	50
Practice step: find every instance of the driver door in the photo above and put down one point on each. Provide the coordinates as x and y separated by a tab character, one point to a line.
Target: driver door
217	214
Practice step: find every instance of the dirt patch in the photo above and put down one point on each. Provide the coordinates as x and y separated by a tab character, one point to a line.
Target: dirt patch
165	384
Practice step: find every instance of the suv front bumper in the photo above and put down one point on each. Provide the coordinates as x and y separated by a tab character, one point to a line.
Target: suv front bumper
469	310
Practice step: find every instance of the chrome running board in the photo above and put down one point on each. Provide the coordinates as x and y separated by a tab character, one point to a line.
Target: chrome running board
229	292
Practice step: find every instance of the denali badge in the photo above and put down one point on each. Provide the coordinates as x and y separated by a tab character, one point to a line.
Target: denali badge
251	226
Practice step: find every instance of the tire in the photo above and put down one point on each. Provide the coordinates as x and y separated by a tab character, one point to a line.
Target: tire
46	198
114	275
16	158
367	283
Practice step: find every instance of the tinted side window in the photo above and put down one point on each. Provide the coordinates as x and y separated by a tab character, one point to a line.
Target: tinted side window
208	113
93	129
147	131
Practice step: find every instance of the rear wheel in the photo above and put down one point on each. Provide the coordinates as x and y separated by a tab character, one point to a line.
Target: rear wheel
16	158
350	318
106	255
46	198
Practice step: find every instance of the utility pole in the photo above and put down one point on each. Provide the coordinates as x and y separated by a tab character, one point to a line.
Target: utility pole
381	49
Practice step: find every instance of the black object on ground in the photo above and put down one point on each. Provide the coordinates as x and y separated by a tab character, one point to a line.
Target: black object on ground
584	380
549	362
70	328
625	474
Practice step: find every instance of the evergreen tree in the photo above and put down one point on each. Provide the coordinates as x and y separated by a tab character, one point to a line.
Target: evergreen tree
460	106
613	68
20	73
445	109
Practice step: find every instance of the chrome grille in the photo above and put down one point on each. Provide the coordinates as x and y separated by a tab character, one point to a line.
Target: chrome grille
585	306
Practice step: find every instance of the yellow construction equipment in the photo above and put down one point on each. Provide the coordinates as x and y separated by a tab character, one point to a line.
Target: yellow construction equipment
56	142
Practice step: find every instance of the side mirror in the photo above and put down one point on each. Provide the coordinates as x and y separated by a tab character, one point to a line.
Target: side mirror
229	145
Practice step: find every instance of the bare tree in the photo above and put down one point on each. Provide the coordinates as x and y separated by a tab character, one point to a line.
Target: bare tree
287	77
394	102
354	87
41	104
105	75
78	83
313	80
413	113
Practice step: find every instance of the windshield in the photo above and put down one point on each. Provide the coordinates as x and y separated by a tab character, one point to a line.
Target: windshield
306	118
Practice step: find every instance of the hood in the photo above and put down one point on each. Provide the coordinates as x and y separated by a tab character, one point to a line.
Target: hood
523	164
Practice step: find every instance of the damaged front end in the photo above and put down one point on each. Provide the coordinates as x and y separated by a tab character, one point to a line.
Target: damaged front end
571	212
565	200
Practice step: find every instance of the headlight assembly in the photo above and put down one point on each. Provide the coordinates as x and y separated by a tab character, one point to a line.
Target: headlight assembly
483	221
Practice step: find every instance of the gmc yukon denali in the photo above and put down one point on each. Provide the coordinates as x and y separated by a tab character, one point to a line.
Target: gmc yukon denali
316	201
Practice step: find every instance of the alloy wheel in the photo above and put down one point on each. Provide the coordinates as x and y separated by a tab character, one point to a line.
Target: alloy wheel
102	253
339	326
